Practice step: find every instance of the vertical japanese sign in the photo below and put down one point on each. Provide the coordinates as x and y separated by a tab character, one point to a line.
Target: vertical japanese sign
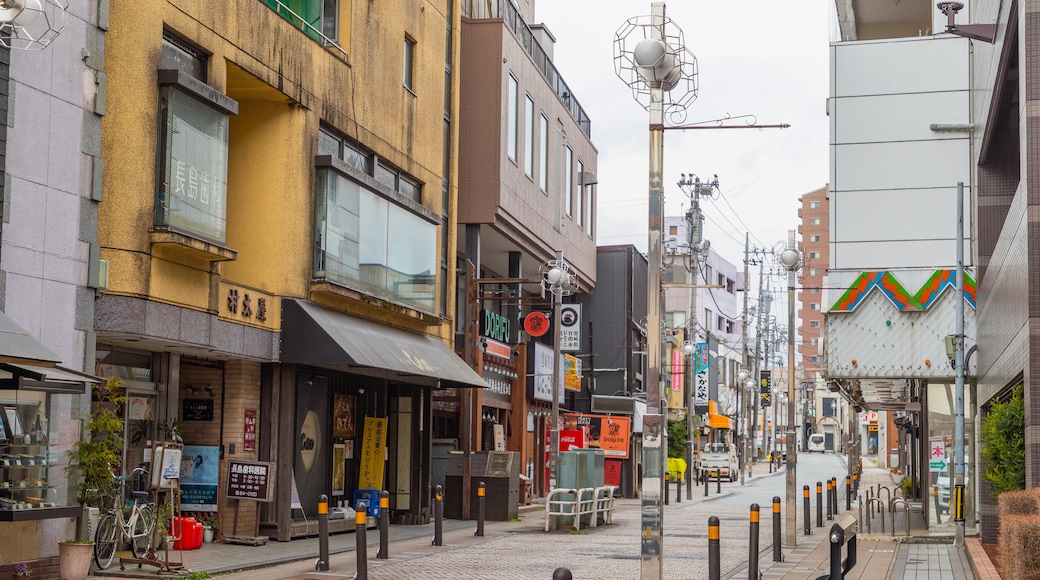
766	381
677	370
700	389
373	449
570	327
249	431
571	372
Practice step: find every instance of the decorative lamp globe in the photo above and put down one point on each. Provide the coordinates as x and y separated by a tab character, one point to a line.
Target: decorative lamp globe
791	258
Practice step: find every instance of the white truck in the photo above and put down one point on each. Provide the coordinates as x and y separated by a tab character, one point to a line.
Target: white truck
721	457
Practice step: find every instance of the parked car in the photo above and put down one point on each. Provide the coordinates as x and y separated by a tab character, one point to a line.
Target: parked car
941	483
816	443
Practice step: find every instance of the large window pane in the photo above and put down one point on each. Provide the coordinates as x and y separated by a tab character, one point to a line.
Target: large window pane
529	137
543	157
512	118
192	196
568	180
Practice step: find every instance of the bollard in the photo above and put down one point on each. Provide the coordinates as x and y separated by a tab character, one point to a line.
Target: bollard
805	498
819	504
562	573
830	488
384	526
438	515
855	483
870	502
714	551
848	493
322	565
678	490
778	556
718	481
481	499
938	512
360	533
836	506
667	490
706	482
753	546
837	538
859	501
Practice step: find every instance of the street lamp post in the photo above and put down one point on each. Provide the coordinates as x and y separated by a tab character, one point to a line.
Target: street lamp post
744	428
558	279
791	258
651	58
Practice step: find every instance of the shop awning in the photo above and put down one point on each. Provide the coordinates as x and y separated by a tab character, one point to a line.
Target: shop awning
716	421
318	336
19	347
44	378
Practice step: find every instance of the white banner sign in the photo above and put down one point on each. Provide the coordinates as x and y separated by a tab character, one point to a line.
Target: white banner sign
570	327
543	369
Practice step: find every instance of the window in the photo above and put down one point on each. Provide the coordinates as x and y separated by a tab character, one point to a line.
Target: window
721	325
814	221
177	54
588	204
568	164
814	324
814	255
814	290
193	145
814	341
814	271
815	238
814	306
580	201
512	119
543	157
367	241
830	407
814	359
673	230
409	62
317	19
529	137
814	205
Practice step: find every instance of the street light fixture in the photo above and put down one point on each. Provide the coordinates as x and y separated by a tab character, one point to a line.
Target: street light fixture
791	258
32	24
650	56
557	279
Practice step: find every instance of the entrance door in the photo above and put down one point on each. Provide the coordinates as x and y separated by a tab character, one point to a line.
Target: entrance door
139	426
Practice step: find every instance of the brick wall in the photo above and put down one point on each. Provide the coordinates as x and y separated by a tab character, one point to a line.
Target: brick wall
45	569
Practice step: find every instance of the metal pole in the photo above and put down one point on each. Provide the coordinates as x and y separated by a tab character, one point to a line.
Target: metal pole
753	543
837	538
958	413
778	555
692	221
714	550
438	516
830	489
678	489
384	526
322	565
554	432
654	429
480	509
361	540
792	401
748	395
848	493
808	517
819	504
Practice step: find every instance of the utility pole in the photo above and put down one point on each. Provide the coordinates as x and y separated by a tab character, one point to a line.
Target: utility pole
746	409
958	413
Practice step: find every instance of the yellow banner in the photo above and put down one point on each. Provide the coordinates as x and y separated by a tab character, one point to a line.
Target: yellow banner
571	373
373	445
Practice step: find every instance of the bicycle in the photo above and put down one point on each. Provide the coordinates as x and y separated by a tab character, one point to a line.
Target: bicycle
132	522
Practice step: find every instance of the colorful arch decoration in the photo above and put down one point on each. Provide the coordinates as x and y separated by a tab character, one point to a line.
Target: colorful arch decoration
888	285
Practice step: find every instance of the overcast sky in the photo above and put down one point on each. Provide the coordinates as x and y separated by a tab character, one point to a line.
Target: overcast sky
755	57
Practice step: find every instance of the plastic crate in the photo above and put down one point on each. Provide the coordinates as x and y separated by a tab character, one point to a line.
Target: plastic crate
371	497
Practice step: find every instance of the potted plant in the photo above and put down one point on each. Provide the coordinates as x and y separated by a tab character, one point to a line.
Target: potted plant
90	464
22	571
209	529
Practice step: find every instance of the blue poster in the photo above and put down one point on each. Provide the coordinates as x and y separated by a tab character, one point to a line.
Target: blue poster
200	472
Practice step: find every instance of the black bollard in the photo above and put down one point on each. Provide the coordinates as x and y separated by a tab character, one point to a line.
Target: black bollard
830	491
707	480
562	573
678	490
778	556
384	526
718	481
361	546
714	551
438	515
322	565
481	491
753	546
805	499
667	490
819	504
848	493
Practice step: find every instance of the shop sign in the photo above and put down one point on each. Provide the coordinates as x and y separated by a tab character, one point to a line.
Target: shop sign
571	372
249	431
677	370
570	327
866	418
199	472
494	326
249	480
542	371
197	410
536	324
701	364
609	433
765	382
612	472
373	452
248	305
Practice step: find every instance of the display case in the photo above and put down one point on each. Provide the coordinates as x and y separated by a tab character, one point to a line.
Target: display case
39	421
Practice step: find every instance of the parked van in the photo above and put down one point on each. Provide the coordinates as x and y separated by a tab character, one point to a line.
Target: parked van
816	443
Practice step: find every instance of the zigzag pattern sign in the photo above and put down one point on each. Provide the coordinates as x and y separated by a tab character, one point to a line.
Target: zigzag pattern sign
887	284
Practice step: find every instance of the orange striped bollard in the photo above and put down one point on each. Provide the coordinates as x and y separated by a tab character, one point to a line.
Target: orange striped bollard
714	551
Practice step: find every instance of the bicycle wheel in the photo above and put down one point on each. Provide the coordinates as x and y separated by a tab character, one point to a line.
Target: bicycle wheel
105	541
141	538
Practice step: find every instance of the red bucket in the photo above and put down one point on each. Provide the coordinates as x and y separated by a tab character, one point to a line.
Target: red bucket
190	532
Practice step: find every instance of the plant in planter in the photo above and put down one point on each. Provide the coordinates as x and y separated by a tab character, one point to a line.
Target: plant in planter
209	526
171	431
91	460
22	570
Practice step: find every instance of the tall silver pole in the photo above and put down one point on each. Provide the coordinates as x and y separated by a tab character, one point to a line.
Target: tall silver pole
651	561
745	410
792	403
958	412
554	433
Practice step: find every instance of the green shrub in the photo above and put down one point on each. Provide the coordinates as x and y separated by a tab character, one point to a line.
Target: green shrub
1004	445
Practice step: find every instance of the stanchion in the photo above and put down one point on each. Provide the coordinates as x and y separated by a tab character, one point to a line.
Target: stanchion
778	555
360	533
830	516
438	515
678	490
707	481
481	489
718	481
322	565
834	497
808	517
667	490
753	546
384	526
848	493
714	550
819	504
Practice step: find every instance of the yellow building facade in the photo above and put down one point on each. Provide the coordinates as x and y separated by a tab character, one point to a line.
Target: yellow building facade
278	223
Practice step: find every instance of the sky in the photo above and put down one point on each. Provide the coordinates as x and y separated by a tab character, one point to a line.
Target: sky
754	57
